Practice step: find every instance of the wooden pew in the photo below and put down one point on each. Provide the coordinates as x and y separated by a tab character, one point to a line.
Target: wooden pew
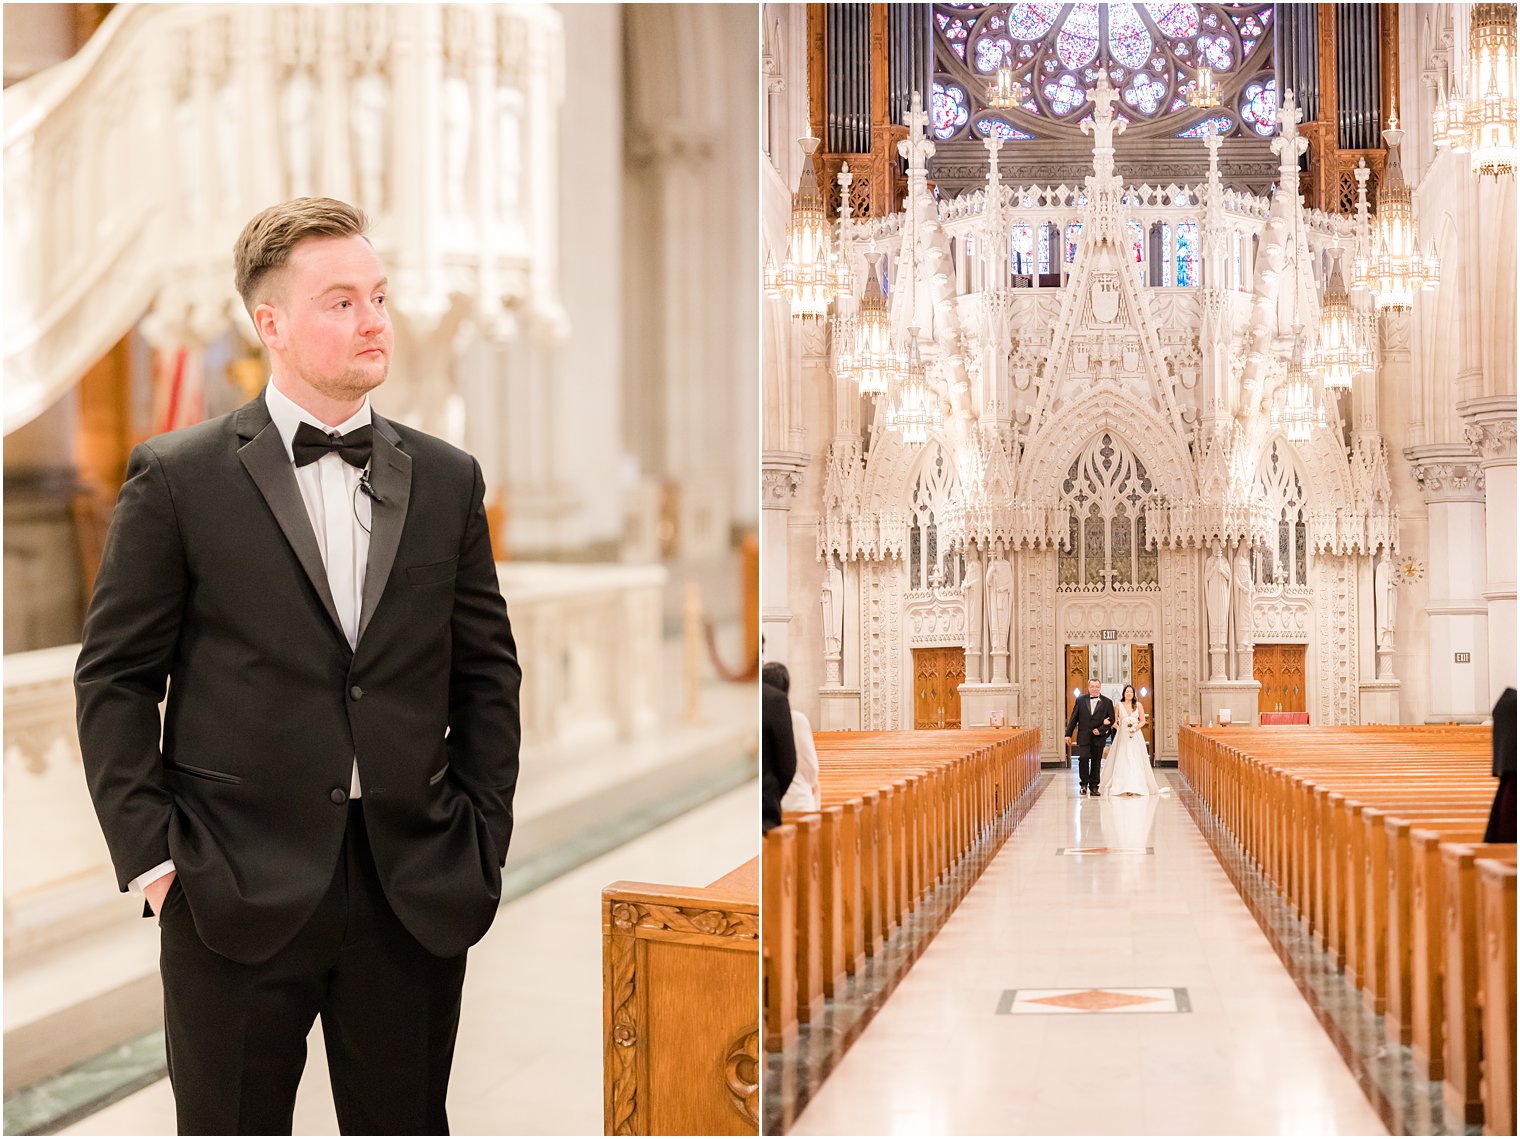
899	811
680	993
1348	824
1496	973
779	855
1462	1029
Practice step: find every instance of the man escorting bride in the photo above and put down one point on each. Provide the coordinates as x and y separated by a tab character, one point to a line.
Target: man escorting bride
1129	767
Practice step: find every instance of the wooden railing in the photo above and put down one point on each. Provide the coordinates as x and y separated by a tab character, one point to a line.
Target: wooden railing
680	993
1373	835
899	810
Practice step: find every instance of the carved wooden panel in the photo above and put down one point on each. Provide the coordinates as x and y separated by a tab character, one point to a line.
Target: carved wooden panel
1142	676
937	677
1281	670
681	999
1076	678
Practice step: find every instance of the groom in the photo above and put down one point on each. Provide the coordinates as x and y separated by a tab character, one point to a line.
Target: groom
322	826
1092	718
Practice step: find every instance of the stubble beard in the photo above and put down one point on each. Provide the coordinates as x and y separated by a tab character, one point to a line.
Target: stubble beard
352	384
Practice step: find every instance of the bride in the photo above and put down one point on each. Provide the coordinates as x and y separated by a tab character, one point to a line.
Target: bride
1128	771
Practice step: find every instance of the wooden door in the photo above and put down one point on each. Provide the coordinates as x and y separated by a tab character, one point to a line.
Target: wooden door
1076	682
1280	668
1142	676
937	677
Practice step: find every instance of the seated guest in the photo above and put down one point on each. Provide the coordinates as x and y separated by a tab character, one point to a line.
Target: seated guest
802	795
1501	820
778	753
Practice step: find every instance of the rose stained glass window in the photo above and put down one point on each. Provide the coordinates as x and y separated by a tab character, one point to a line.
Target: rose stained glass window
1152	53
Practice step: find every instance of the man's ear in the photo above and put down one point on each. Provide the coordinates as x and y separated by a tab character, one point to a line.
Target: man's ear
266	322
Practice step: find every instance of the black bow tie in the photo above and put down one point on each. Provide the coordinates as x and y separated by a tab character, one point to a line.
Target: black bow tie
311	443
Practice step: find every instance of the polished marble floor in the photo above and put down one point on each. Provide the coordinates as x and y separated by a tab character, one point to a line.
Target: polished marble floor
529	1059
1239	1053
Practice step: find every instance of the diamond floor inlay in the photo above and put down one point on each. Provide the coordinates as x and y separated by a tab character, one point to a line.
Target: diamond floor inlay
1066	1001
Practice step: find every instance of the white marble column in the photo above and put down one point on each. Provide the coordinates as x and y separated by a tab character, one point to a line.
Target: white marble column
1451	481
781	476
1491	431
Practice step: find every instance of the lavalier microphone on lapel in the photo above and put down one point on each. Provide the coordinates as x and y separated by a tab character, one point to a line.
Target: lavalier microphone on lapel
367	487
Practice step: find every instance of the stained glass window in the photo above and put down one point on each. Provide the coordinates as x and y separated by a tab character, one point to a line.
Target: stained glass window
1258	107
989	127
1237	270
1187	254
1043	246
1284	562
1219	124
1073	231
1136	235
949	109
1021	249
1151	52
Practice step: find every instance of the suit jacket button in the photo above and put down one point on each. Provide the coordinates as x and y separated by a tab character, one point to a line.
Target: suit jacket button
339	796
356	692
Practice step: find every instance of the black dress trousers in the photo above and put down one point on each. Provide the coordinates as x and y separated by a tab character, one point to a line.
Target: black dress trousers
389	1008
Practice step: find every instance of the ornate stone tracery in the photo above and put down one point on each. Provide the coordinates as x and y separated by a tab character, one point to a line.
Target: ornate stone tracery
1103	445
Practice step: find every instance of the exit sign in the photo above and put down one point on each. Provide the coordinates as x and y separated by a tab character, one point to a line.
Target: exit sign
1464	658
1110	634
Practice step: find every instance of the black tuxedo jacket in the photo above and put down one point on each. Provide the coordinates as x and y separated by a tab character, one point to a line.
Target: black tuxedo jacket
1088	714
212	583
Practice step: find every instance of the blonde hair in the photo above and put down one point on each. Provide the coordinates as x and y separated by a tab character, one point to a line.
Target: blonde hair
267	241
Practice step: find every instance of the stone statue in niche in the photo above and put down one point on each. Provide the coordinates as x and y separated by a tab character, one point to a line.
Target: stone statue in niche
971	591
831	599
1384	602
1240	610
1000	612
1244	593
1216	596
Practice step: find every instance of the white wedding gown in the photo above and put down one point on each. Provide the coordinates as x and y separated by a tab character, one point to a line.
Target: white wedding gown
1127	767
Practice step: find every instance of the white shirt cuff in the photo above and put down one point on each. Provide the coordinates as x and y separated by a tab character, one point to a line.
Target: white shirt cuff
163	868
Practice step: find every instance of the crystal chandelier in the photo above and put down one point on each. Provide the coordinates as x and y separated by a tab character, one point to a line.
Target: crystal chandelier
812	276
1339	352
1297	409
915	409
1483	121
1004	92
1395	269
873	360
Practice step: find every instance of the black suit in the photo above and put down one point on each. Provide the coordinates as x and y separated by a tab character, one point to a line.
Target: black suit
778	754
1092	720
212	581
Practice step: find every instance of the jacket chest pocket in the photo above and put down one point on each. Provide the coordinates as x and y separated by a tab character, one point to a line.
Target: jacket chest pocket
434	573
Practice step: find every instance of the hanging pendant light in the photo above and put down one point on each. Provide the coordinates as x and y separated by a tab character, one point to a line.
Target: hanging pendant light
915	410
1205	96
873	360
1339	352
1005	92
1482	120
1394	269
1297	409
1491	114
812	276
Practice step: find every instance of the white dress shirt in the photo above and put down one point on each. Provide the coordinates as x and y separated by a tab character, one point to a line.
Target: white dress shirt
340	517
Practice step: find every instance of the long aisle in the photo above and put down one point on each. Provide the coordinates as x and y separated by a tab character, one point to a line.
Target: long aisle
1126	990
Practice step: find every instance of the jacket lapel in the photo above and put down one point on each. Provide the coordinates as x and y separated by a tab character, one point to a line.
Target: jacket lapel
390	473
265	458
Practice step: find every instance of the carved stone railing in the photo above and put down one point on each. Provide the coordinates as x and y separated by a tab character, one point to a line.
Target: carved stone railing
131	167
